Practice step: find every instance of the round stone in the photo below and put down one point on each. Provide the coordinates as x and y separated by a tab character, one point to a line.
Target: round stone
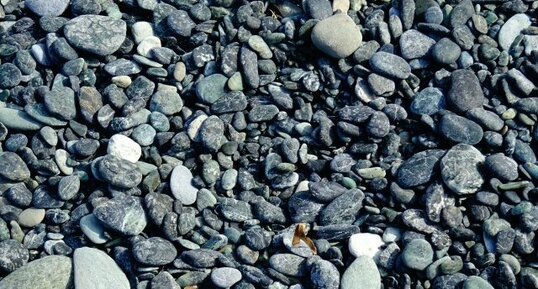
460	169
361	274
428	101
414	44
417	254
119	172
93	229
445	51
93	268
13	255
60	102
460	130
475	282
44	273
10	75
166	101
181	185
31	217
225	277
419	169
96	34
390	65
365	244
337	36
154	251
465	91
144	134
13	167
502	167
125	148
47	7
209	89
124	215
512	28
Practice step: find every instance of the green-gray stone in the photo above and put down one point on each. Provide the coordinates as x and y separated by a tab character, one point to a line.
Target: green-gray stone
50	272
475	282
211	88
18	120
493	226
417	254
361	274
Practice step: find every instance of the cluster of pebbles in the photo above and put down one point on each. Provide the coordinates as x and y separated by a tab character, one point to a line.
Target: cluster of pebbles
168	144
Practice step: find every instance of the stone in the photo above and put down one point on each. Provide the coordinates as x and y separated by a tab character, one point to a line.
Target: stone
89	101
149	43
361	274
141	30
211	134
180	23
317	9
10	75
419	169
166	102
230	102
93	229
257	44
47	7
475	282
122	66
154	251
502	167
460	169
261	113
96	34
13	255
390	65
445	51
337	43
225	277
18	120
31	217
465	91
512	28
44	273
60	102
343	209
461	13
144	134
119	172
125	148
417	254
93	268
209	89
365	244
449	281
13	167
460	130
324	275
123	214
164	280
181	185
414	44
288	264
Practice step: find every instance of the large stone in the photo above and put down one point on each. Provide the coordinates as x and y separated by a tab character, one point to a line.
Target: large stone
96	34
49	272
414	44
465	91
13	167
460	169
390	65
94	269
419	169
460	130
361	274
154	251
125	148
337	36
47	7
512	28
123	214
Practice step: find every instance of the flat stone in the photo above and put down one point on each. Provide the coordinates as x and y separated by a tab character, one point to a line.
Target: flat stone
18	120
93	269
419	169
31	217
122	66
47	7
225	277
119	172
181	185
39	112
460	130
154	251
125	148
502	167
124	215
211	88
93	229
13	167
460	169
365	244
45	273
414	44
336	42
445	51
512	28
465	91
166	102
390	65
475	282
324	275
96	34
361	274
60	102
10	75
288	264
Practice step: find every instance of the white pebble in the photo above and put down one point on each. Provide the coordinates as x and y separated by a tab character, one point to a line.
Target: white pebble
124	148
365	244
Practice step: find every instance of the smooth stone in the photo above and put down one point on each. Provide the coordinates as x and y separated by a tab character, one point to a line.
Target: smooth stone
18	120
40	113
288	264
390	65
475	282
361	274
60	102
49	272
465	91
164	280
365	244
13	167
445	51
122	214
417	254
166	102
31	217
145	46
512	28
337	36
461	169
10	75
419	169
141	30
13	255
502	167
119	172
125	148
211	88
154	251
259	45
428	101
121	67
460	130
225	277
94	269
93	229
181	185
414	44
96	34
47	7
324	275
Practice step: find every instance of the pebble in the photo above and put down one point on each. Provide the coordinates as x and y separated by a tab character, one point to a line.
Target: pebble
181	185
141	30
258	44
390	65
211	88
414	44
18	120
324	275
119	172
47	7
419	168
460	130
124	215
164	280
288	264
512	28
13	167
93	229
475	282
502	167
31	217
361	274
428	101
44	273
417	254
365	244
12	255
125	148
445	51
225	277
465	92
166	102
460	169
337	43
93	268
100	35
154	251
10	75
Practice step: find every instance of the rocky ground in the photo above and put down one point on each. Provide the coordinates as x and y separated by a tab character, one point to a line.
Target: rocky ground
168	144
